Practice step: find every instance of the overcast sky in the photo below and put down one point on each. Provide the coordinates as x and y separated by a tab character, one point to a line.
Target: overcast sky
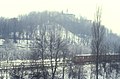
86	8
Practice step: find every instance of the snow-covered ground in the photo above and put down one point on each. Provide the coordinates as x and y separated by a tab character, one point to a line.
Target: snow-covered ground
85	72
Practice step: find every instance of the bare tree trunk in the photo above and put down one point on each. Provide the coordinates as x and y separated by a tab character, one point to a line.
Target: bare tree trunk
63	72
79	76
63	64
97	62
56	63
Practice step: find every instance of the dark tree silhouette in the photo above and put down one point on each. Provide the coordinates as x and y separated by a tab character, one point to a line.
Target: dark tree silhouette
98	32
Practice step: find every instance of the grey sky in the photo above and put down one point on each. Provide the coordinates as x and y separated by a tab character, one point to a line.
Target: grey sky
110	9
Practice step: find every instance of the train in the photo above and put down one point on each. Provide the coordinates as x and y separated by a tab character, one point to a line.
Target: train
92	59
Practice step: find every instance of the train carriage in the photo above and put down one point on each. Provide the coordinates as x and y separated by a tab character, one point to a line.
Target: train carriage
82	59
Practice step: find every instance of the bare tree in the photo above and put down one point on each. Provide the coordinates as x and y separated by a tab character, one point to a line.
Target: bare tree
98	32
49	44
56	47
39	47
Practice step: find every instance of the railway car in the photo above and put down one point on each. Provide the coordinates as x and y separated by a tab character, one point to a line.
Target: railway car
92	59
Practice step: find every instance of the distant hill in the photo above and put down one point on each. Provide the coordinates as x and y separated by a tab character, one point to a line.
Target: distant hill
23	26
